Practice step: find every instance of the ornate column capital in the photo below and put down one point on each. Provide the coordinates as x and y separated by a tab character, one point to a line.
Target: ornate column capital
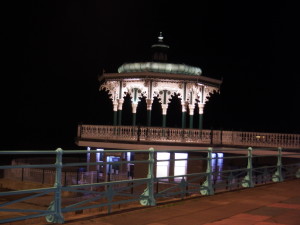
115	105
191	108
164	108
134	107
120	104
201	107
184	105
149	103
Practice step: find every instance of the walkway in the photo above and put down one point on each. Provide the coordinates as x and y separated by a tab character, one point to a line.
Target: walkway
264	205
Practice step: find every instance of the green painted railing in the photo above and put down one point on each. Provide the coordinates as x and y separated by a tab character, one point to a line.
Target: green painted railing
247	172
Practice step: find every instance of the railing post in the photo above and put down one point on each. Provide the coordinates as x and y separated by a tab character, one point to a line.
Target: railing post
148	192
277	176
55	205
248	180
208	182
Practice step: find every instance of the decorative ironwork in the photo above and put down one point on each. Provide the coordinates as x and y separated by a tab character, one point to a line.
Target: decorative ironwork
107	194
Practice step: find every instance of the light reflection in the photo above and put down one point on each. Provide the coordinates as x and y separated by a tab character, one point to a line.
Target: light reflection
98	157
217	166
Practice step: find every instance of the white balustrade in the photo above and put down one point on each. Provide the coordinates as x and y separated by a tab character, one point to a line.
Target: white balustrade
237	138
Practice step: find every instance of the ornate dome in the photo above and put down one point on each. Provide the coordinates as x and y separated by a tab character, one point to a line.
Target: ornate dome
159	67
159	63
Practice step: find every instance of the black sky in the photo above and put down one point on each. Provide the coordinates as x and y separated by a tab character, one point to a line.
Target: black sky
55	50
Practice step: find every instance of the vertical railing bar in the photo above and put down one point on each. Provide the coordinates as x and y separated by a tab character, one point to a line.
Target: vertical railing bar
277	176
149	191
56	205
208	182
248	180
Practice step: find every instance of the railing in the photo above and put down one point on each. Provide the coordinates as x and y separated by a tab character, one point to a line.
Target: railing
240	172
176	135
44	176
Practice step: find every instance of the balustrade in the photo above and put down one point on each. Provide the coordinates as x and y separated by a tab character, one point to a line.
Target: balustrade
159	134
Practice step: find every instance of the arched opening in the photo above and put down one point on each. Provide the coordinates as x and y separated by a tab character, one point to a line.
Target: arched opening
141	113
174	112
156	113
127	111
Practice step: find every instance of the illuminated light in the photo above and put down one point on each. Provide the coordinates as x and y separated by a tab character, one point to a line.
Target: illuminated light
213	155
130	79
163	156
169	67
160	37
220	155
162	167
161	45
159	67
98	154
88	155
180	167
128	156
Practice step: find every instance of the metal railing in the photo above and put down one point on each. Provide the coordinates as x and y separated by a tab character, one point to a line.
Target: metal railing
242	171
177	135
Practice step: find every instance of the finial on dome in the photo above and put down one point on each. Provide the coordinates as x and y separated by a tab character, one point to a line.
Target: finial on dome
160	50
160	37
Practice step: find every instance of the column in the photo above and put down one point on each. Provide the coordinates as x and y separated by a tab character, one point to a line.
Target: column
149	109
164	99
134	107
164	114
191	108
183	115
183	104
115	111
120	107
201	111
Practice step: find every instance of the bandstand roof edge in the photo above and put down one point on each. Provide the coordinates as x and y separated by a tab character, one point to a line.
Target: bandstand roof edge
164	76
160	67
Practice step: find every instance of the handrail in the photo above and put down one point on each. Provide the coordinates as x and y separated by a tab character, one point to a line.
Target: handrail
147	190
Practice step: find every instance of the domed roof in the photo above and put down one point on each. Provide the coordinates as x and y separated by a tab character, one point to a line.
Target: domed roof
159	63
159	67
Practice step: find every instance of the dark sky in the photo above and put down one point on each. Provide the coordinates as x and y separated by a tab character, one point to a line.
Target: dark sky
55	50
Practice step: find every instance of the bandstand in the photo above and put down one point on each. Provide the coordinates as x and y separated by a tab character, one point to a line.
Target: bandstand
159	79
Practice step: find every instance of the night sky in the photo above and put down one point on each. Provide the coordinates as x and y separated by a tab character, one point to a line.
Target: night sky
54	52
